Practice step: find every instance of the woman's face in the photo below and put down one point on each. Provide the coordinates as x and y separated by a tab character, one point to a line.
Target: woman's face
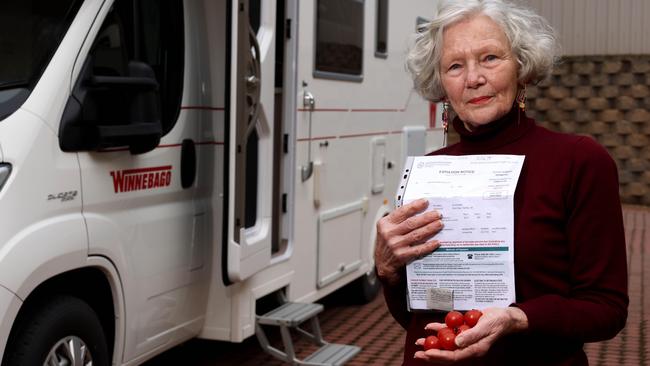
478	70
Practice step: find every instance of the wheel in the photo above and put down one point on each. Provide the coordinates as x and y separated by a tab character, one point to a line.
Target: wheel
365	288
66	331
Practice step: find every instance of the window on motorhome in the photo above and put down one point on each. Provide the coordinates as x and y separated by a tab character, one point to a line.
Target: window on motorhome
149	31
339	39
31	32
381	44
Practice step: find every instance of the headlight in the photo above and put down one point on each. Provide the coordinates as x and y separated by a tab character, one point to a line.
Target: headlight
5	169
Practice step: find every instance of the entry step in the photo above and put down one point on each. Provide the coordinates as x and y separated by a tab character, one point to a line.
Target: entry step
294	316
332	354
290	314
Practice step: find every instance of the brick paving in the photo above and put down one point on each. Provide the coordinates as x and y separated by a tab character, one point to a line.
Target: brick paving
632	345
371	327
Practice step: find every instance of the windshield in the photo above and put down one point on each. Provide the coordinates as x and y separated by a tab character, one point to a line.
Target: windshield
30	32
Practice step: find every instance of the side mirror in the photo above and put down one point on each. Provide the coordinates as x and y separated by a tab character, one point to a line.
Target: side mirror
112	111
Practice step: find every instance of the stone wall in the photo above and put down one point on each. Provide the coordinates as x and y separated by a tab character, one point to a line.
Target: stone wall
608	98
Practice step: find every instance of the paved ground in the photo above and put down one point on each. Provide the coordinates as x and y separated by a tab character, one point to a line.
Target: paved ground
632	345
372	328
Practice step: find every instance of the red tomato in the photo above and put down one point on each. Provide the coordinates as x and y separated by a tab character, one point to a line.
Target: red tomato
431	342
454	319
472	316
462	328
442	332
447	340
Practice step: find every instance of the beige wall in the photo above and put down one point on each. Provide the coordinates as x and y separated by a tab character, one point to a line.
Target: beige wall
598	27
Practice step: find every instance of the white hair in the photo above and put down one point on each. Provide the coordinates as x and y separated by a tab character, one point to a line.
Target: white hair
532	40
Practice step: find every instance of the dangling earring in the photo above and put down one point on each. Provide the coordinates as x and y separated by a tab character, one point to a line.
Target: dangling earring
445	115
521	98
445	120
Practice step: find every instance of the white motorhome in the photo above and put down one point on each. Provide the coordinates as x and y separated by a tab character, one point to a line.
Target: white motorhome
166	164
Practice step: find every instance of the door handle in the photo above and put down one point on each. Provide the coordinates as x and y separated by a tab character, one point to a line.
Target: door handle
308	101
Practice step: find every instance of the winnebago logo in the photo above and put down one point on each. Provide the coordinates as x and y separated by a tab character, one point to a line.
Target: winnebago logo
144	178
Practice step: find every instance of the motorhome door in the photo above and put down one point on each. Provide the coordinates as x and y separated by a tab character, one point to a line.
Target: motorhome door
251	186
333	139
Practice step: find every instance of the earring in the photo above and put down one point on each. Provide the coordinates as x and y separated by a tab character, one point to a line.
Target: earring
445	115
445	121
521	98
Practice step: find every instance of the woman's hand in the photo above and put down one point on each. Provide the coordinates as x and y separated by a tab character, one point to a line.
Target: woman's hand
402	237
475	342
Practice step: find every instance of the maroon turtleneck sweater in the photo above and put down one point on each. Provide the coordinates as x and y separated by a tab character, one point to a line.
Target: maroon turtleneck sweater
570	262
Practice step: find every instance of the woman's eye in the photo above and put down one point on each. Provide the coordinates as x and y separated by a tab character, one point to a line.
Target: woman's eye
454	67
490	58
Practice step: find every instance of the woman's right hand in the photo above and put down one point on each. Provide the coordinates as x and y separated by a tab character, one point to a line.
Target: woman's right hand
402	237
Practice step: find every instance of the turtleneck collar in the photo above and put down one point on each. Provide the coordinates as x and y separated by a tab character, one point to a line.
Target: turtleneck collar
495	134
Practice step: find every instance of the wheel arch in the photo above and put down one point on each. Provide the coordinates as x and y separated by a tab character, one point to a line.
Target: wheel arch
97	284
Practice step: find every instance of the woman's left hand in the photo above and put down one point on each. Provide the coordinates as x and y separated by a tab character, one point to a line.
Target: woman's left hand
475	342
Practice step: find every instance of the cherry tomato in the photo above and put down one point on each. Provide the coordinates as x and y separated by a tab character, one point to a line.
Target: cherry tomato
462	328
447	340
472	316
442	332
431	342
454	319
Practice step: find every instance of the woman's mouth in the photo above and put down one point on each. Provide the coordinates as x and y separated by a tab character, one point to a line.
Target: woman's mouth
480	100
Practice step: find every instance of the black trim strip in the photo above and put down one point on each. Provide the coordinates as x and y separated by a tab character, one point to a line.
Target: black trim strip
226	156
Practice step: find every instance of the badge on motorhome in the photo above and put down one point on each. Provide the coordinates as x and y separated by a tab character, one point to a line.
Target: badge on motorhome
142	178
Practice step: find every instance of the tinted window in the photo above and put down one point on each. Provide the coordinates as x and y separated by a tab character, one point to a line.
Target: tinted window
149	31
31	32
339	38
381	45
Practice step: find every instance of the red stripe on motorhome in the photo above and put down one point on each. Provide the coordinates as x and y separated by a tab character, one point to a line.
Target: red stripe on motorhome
146	170
209	108
352	110
303	139
364	134
323	110
377	110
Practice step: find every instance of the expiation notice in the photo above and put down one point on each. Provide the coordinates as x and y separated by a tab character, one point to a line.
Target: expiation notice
474	266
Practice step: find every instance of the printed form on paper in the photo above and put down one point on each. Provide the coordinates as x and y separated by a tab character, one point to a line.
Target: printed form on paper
474	266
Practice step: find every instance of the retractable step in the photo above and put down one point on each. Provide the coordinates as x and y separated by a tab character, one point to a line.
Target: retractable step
332	354
292	315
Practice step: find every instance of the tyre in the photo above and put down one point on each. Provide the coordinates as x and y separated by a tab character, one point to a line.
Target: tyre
65	331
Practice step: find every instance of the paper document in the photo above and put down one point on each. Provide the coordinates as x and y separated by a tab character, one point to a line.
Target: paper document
474	266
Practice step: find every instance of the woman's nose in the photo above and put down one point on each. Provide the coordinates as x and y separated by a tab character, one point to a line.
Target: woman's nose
475	77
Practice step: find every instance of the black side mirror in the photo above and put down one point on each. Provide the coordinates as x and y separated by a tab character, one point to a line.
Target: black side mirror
111	111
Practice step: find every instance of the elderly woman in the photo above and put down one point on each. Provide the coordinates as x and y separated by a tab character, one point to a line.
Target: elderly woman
569	248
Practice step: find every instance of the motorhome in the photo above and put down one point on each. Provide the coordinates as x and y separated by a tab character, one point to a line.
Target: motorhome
166	165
